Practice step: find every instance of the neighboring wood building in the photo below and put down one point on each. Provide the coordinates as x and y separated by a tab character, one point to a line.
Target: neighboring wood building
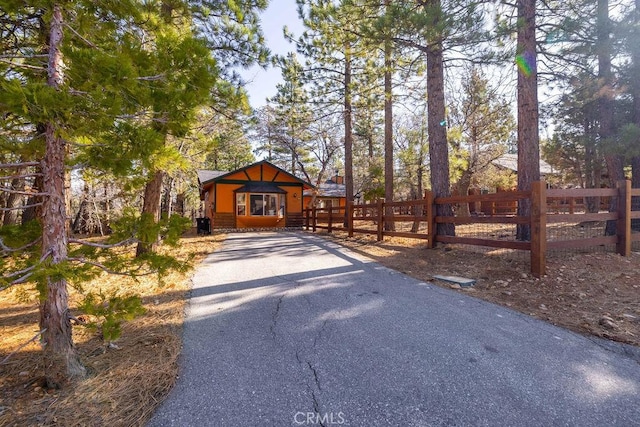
330	194
260	195
510	162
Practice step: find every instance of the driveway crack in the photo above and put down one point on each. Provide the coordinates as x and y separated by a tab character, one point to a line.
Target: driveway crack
320	332
316	409
274	317
313	385
315	375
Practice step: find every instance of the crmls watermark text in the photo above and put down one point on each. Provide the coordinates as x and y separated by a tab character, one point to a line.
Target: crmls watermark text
314	418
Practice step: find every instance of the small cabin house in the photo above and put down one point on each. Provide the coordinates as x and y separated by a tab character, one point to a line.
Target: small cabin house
260	195
330	194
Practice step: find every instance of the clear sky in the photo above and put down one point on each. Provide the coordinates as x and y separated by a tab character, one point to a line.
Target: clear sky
262	83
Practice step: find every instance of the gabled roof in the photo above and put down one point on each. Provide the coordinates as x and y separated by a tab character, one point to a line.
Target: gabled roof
207	175
217	175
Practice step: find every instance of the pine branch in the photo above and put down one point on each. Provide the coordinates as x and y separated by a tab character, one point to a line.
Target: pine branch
33	205
30	67
152	78
28	272
24	193
108	270
7	249
18	165
132	116
103	246
10	56
10	177
76	92
18	273
36	336
89	43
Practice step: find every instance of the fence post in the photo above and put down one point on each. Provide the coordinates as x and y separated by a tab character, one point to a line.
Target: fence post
380	219
329	226
538	228
431	220
350	209
623	225
314	218
306	219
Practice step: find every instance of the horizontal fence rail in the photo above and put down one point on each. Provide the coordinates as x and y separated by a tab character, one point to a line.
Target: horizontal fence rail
548	208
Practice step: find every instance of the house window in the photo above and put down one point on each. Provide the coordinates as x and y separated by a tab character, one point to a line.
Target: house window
264	204
327	203
241	204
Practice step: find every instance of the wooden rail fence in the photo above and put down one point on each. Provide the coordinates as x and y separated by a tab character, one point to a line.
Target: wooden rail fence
370	218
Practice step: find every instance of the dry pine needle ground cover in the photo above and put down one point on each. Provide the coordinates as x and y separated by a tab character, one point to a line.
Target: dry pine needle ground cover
125	384
593	293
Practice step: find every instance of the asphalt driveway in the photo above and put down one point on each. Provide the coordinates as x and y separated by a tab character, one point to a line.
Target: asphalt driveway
287	329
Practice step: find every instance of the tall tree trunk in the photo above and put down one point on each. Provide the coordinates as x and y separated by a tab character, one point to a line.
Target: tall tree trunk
437	128
167	205
348	128
34	211
463	189
14	201
389	225
605	103
3	200
528	137
86	221
61	363
180	204
151	206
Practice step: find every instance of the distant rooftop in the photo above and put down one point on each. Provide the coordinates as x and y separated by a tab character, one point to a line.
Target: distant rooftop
510	161
329	189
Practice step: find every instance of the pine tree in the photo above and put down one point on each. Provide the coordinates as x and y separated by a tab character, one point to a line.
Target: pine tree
82	85
528	132
337	60
483	125
434	28
307	138
292	117
186	76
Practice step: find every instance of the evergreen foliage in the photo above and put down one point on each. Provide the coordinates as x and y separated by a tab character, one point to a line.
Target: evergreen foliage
110	90
110	311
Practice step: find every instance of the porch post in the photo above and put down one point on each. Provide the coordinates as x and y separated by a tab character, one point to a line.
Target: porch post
314	217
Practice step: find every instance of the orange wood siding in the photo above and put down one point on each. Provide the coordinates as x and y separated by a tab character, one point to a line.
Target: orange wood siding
226	199
294	199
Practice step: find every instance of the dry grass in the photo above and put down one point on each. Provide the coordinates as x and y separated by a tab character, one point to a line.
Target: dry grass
126	384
